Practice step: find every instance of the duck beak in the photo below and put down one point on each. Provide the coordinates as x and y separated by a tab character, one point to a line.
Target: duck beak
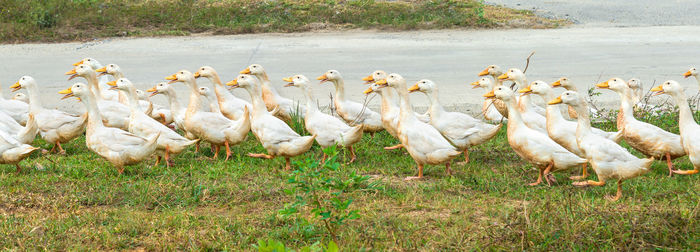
368	79
172	79
490	95
289	81
687	74
68	93
475	84
367	91
196	75
382	82
657	90
503	77
525	91
153	91
15	87
555	101
322	78
245	71
413	88
484	73
233	83
602	85
101	71
78	63
72	74
556	83
112	84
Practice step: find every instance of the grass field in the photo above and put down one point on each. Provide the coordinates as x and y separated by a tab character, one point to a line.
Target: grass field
81	203
59	20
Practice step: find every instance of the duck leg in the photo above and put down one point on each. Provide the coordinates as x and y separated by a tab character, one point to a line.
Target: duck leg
196	147
167	157
216	151
584	174
157	161
589	183
120	169
352	154
228	151
539	179
261	155
448	171
466	156
547	175
61	151
420	174
618	194
323	159
394	147
287	164
669	164
19	169
687	172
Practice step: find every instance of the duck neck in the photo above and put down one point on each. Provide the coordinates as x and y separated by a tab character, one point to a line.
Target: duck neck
697	78
256	99
626	104
194	96
311	105
436	108
514	117
118	75
35	104
339	89
94	85
553	112
584	119
132	99
405	103
387	99
172	100
94	117
219	88
213	103
685	115
496	81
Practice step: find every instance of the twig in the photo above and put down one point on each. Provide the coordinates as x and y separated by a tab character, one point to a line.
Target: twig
527	64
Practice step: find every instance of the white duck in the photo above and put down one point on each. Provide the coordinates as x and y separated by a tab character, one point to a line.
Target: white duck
286	107
389	111
105	92
159	112
689	129
608	159
423	142
17	110
13	151
560	130
329	130
211	98
489	109
21	97
567	84
214	128
462	130
692	72
275	135
648	139
112	112
352	112
143	125
231	106
178	111
388	93
119	147
532	145
55	126
527	110
494	71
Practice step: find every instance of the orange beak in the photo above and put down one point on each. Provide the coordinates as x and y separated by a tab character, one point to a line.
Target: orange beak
687	74
15	87
153	91
657	90
322	78
413	88
367	91
475	84
67	93
78	63
525	91
172	79
113	84
101	71
289	81
233	83
602	85
484	73
555	101
72	74
382	82
196	75
245	71
556	83
369	79
503	77
490	95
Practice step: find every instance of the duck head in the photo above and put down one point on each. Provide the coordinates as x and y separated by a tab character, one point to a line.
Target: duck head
615	84
482	83
254	69
691	72
425	86
670	87
180	76
512	74
537	87
21	97
160	88
23	82
205	71
243	81
375	76
500	92
110	69
492	70
78	90
330	75
91	62
568	97
82	70
564	82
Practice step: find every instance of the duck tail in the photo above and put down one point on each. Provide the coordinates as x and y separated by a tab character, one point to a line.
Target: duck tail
152	143
490	133
353	135
28	133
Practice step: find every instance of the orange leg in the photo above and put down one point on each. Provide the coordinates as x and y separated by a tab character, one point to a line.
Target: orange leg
420	174
216	151
539	179
394	147
589	183
60	149
323	159
352	154
584	173
669	164
120	169
547	175
53	148
687	172
228	151
196	147
167	156
287	164
162	118
157	161
261	155
447	169
618	194
19	169
466	156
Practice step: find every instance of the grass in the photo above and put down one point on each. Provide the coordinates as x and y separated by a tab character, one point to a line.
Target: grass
81	203
62	20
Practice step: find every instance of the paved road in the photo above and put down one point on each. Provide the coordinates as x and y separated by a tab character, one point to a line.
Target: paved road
613	13
451	58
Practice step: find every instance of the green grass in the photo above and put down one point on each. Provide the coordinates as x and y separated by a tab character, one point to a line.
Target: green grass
81	203
63	20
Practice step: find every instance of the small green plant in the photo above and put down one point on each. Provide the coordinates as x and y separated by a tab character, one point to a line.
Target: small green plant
277	246
322	189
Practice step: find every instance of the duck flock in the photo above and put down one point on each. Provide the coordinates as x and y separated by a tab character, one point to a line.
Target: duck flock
124	127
